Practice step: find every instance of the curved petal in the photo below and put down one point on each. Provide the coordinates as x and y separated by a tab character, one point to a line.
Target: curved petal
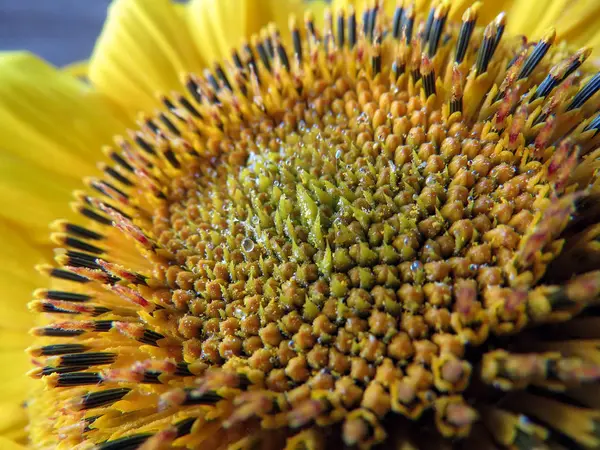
9	444
14	390
143	49
52	127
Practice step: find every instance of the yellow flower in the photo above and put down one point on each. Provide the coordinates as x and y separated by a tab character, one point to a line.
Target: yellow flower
375	224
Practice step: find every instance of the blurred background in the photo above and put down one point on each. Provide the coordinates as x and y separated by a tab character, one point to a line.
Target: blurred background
60	31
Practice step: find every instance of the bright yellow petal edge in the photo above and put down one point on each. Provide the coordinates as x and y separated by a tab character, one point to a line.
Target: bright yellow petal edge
138	57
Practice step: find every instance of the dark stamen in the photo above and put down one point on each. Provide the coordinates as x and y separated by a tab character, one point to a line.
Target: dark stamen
151	377
407	27
78	379
170	126
464	36
376	58
223	77
144	145
62	349
185	426
50	370
340	30
436	30
51	309
194	90
103	326
182	370
168	103
577	61
297	40
584	94
397	69
79	259
372	21
428	25
263	55
352	30
151	337
500	23
212	80
102	398
120	161
428	75
153	127
117	176
125	443
545	87
67	296
365	22
536	55
68	276
250	56
88	359
207	398
282	54
237	60
397	22
189	107
594	125
83	232
83	246
486	51
95	216
58	332
99	310
456	105
170	156
269	47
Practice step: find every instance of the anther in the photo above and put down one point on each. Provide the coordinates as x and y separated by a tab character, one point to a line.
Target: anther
341	31
193	88
500	23
408	25
428	25
352	28
585	93
464	36
296	39
486	51
537	54
397	20
439	20
428	75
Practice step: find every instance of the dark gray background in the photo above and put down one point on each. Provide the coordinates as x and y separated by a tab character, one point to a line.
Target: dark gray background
61	31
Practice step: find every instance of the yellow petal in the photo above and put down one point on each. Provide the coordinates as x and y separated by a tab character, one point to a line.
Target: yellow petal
218	27
14	389
143	49
52	127
49	118
18	278
9	444
78	69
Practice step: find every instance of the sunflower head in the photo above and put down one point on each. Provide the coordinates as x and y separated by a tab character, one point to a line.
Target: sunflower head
380	232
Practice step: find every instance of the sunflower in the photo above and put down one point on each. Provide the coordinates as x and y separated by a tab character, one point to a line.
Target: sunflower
298	225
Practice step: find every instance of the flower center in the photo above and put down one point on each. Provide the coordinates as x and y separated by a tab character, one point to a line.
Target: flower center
331	239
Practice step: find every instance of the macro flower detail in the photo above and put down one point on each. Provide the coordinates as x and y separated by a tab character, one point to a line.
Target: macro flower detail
378	233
